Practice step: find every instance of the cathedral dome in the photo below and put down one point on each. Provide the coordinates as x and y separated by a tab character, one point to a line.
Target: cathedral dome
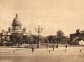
16	21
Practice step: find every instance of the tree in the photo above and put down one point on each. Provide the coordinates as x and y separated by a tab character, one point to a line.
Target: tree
19	39
59	36
16	39
66	40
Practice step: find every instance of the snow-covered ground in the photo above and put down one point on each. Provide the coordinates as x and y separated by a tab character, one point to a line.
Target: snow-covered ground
43	51
62	54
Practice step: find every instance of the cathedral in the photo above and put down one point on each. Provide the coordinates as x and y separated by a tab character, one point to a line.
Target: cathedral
14	33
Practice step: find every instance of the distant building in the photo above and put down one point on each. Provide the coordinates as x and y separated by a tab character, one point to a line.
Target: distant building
76	37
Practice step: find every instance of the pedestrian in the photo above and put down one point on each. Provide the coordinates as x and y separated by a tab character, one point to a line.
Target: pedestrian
32	49
65	46
49	50
80	50
57	46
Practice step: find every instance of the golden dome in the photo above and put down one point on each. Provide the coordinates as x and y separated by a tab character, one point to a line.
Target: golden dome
16	21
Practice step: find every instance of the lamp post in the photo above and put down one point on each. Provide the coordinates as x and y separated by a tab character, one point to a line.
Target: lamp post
30	37
31	42
56	38
38	30
53	43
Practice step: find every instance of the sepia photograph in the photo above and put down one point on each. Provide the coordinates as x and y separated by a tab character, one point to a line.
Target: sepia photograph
41	30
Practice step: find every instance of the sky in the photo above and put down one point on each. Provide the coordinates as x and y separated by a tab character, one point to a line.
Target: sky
51	15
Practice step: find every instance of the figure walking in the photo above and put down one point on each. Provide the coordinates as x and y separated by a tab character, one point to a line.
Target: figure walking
32	49
65	46
57	46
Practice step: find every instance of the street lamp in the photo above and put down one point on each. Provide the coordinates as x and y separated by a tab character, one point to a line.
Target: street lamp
38	30
31	42
56	38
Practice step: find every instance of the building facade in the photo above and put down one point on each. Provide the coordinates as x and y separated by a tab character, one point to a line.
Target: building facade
76	37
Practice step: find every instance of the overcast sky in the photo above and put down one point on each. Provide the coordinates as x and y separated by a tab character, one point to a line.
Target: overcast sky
51	15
